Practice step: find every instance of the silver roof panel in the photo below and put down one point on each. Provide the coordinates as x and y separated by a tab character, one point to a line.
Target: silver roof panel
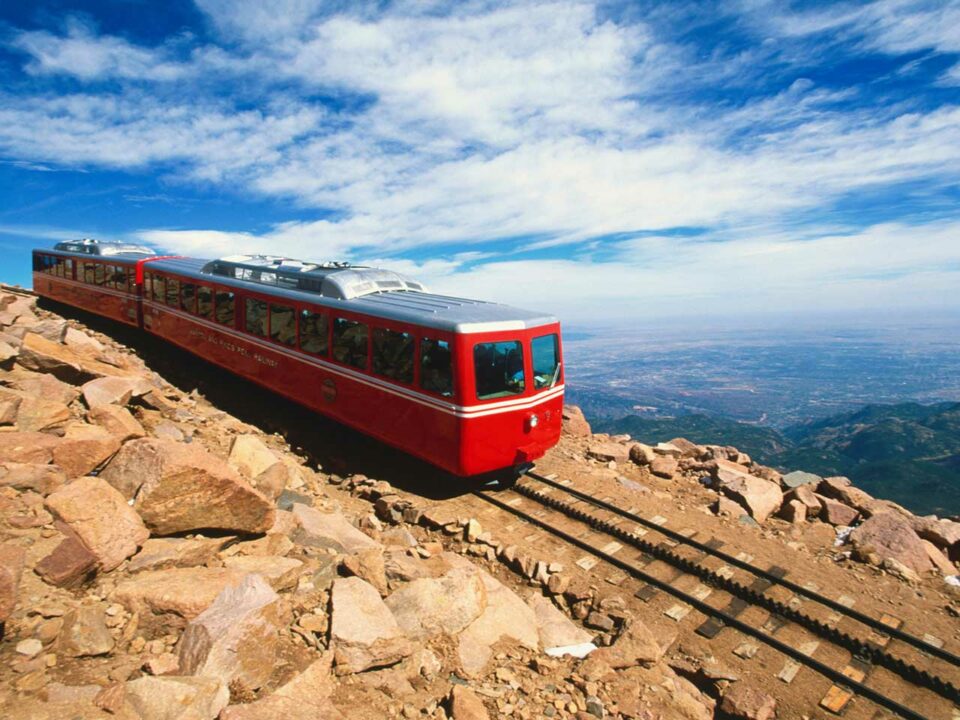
443	312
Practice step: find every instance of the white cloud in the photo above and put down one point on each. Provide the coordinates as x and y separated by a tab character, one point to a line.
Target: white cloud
473	122
86	55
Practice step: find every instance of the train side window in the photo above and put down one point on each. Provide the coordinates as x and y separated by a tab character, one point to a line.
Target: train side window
121	277
283	324
99	274
546	361
204	302
68	268
173	292
436	367
226	309
188	297
350	342
159	288
393	354
256	317
147	285
499	369
313	332
108	271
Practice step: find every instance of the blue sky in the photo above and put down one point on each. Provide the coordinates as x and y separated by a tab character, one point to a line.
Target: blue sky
626	159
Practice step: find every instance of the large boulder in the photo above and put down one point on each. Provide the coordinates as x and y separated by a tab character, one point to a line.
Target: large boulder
160	553
888	536
506	618
186	592
180	487
942	533
71	563
84	448
84	632
41	479
27	447
835	512
636	645
574	423
137	460
9	407
39	354
608	451
555	629
280	572
364	632
11	567
306	695
431	606
32	413
250	457
761	497
109	391
44	386
466	705
748	703
117	421
328	530
798	478
236	637
177	698
101	519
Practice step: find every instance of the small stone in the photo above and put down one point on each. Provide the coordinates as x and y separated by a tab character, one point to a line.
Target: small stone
30	647
465	705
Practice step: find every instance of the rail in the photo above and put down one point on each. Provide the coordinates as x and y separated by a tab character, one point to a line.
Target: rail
859	648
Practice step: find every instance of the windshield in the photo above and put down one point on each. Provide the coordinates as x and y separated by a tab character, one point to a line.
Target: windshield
546	362
499	369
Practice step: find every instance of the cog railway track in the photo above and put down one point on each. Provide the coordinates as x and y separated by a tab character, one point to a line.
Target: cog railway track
866	653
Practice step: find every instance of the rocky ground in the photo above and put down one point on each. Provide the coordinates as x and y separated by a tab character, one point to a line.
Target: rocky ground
162	559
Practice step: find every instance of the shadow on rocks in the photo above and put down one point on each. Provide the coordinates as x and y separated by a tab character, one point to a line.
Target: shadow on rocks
333	446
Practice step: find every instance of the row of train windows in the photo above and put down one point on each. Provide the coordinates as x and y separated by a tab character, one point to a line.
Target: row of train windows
348	341
118	277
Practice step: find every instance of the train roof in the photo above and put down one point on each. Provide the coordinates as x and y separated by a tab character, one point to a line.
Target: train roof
373	291
90	246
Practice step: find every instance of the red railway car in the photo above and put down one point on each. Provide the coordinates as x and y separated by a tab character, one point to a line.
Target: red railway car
472	387
102	278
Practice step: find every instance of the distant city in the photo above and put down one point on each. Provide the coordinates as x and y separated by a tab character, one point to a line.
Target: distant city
773	376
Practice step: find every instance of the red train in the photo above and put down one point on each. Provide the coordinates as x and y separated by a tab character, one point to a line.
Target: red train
472	387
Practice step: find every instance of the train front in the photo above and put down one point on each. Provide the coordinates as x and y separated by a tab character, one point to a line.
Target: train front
512	381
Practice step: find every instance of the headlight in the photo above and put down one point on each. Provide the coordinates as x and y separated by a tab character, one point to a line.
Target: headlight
533	420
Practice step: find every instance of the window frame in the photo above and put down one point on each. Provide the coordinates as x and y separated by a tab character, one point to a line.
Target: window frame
451	347
296	324
175	305
193	305
556	356
211	305
246	322
414	342
349	317
218	290
328	330
520	342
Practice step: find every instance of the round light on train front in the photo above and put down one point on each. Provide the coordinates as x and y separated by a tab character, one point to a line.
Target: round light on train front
533	420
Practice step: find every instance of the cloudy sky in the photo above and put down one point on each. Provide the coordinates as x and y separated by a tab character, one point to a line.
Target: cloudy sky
632	159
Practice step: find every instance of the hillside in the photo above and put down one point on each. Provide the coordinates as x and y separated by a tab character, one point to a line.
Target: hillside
908	452
177	545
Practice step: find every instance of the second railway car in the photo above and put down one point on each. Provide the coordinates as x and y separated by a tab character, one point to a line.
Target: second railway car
472	387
